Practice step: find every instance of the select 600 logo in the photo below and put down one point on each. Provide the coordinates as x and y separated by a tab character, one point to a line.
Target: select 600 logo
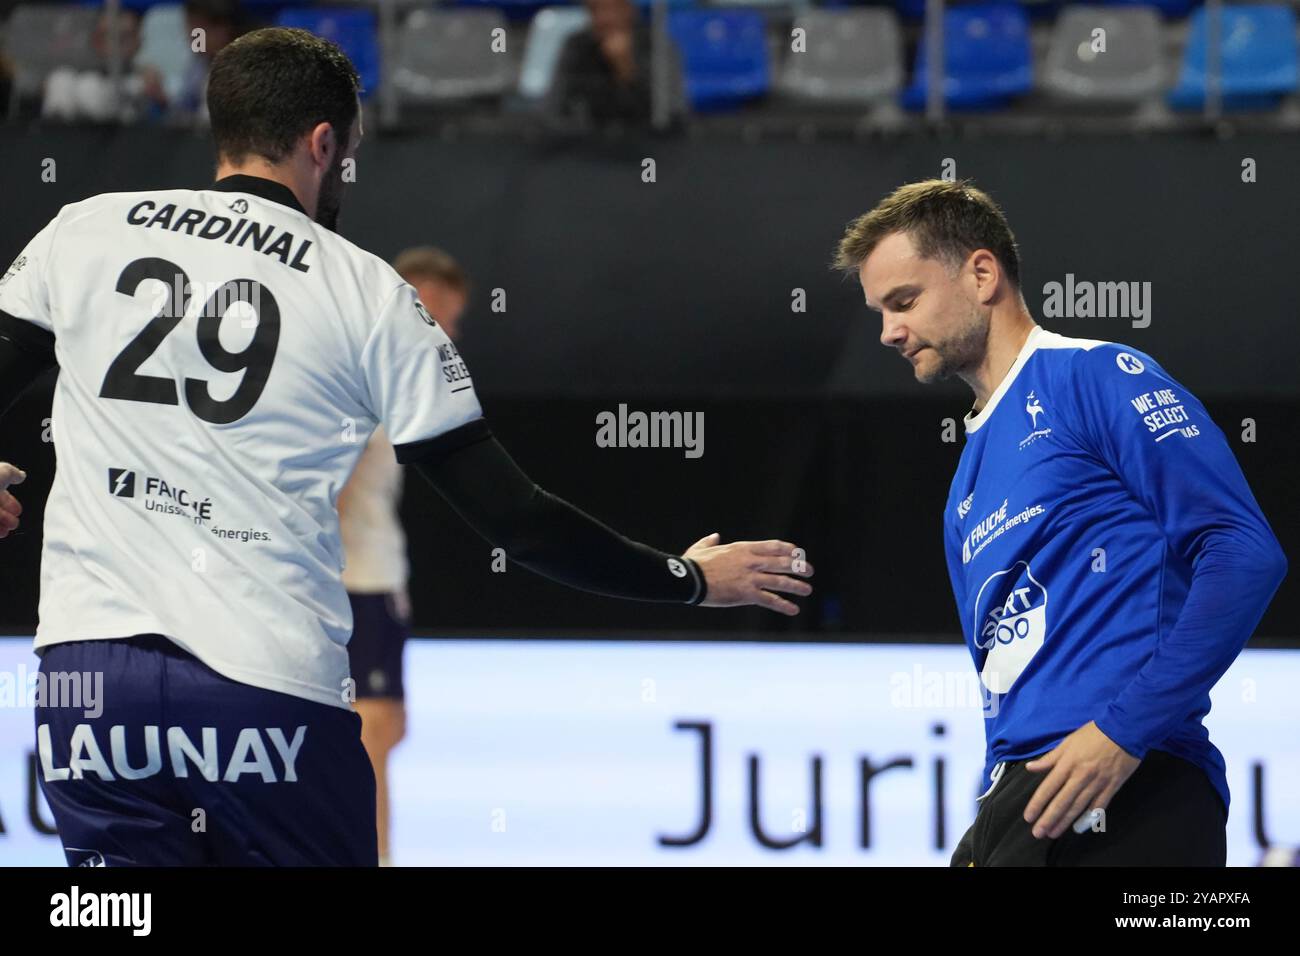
1010	624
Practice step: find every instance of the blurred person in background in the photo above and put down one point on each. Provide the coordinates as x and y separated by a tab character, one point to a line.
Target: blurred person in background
604	72
165	45
374	546
440	282
211	25
72	94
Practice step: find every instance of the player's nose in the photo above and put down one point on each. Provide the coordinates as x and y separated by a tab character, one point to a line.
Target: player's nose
892	333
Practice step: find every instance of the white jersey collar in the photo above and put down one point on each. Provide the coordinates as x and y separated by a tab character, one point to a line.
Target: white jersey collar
973	420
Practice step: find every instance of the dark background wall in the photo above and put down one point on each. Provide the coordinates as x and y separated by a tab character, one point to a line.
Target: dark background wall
676	295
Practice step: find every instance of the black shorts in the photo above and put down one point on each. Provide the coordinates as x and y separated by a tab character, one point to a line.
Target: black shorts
1166	814
375	651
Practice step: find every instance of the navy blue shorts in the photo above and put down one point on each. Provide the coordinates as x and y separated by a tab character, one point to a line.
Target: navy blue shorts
375	651
175	765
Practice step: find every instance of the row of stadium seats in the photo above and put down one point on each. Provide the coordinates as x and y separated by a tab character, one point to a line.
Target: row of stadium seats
854	56
911	8
1111	55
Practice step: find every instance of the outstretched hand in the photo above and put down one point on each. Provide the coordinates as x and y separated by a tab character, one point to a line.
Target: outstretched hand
749	572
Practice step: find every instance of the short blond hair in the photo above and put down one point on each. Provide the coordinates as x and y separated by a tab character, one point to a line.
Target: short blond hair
430	262
946	220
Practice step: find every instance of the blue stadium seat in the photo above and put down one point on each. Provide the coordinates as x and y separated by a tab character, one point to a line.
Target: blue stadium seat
1258	59
724	56
516	9
986	49
915	9
1171	9
353	30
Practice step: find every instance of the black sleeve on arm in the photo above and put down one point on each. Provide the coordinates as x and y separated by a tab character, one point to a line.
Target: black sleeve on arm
26	353
544	533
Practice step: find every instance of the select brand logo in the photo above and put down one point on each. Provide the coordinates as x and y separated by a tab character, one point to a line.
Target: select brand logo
87	858
121	483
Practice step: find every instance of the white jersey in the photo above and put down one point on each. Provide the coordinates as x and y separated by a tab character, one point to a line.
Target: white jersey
224	360
374	545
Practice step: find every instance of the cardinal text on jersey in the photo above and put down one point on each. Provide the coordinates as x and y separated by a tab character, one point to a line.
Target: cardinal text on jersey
204	225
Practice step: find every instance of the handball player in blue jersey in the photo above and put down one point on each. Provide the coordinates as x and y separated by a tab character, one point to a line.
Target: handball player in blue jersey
1106	555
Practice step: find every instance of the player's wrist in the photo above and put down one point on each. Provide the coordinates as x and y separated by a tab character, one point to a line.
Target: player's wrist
701	582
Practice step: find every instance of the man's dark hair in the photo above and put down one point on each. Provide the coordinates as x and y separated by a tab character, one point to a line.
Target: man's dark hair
946	220
270	87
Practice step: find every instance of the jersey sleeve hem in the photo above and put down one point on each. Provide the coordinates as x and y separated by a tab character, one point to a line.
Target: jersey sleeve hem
430	450
701	585
27	336
1109	725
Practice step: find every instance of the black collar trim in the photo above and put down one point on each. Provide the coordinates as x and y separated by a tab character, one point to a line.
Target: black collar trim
259	186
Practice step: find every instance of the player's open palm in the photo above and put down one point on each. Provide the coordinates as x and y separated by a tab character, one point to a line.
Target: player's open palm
750	572
10	509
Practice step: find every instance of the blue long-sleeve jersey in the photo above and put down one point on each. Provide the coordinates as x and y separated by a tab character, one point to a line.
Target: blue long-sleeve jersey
1106	554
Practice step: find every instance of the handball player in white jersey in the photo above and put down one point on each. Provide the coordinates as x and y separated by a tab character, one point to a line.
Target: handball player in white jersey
218	348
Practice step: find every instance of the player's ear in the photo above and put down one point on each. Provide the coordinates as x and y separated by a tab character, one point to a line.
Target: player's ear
322	144
987	273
